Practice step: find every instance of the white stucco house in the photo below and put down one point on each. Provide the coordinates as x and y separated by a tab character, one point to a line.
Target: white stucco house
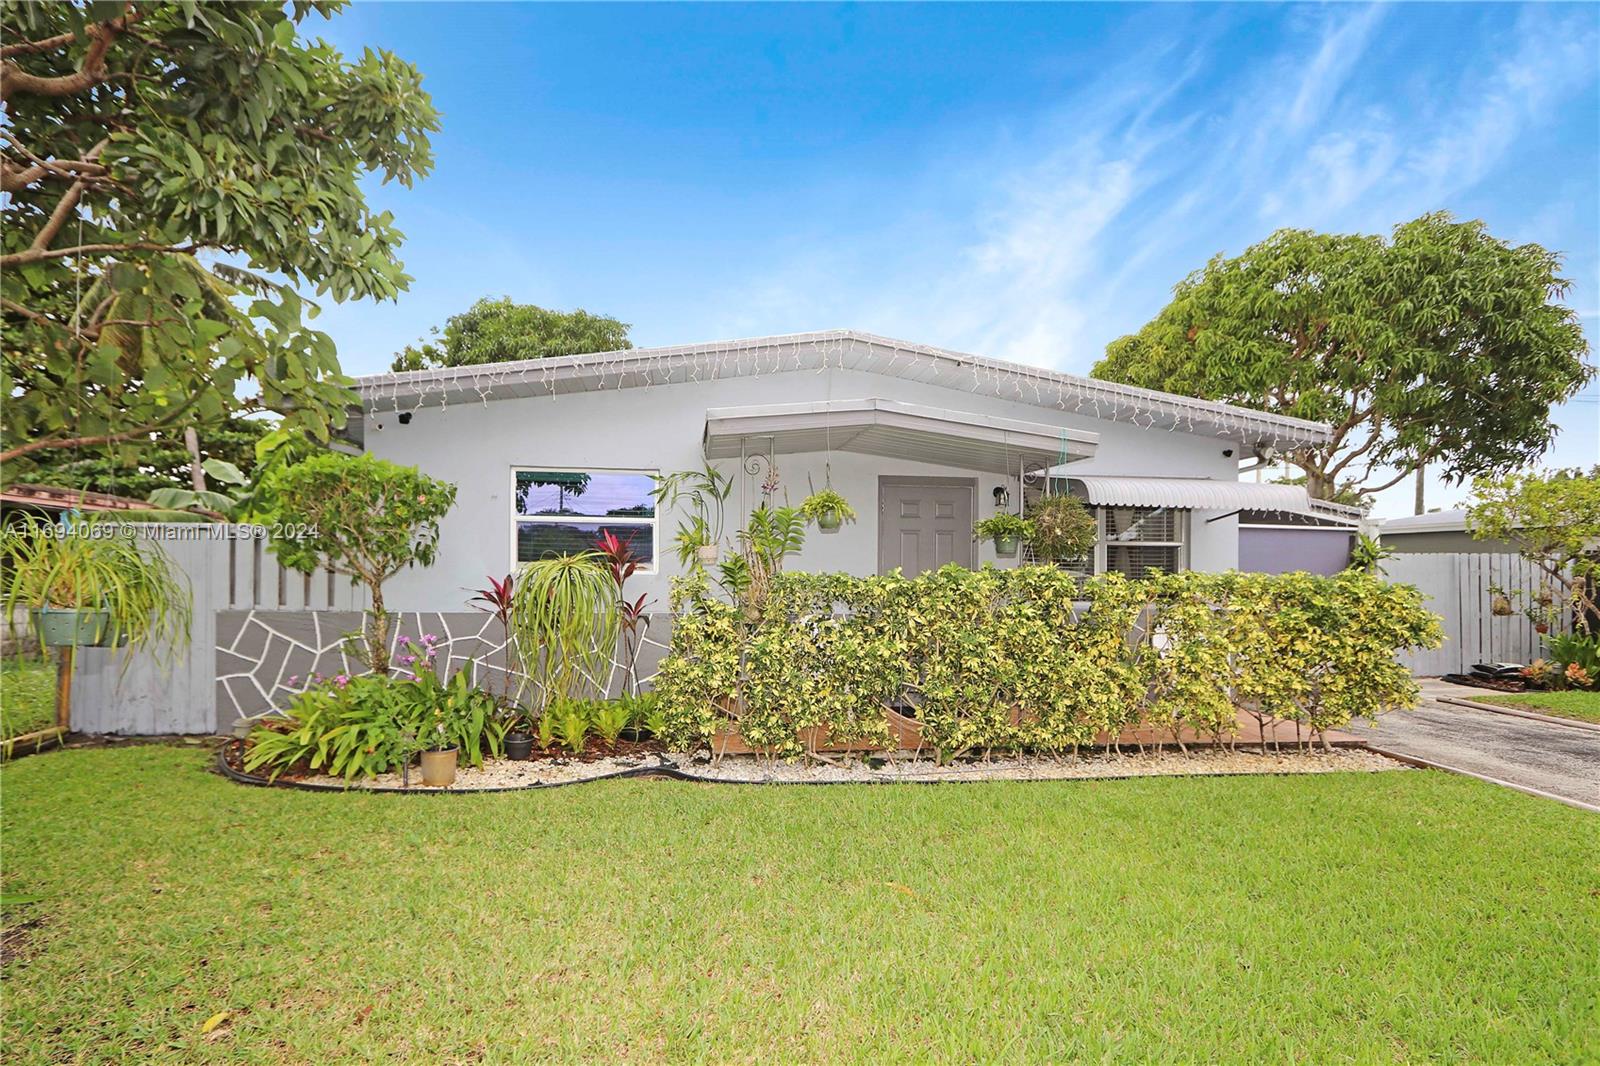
921	440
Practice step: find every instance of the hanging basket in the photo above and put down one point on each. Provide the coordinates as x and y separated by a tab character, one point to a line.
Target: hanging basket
829	523
1501	606
1005	547
73	627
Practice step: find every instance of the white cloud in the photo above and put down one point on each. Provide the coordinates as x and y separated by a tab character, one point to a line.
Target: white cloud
1044	243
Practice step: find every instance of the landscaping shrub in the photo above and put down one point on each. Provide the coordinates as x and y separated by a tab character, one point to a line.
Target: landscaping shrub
370	724
1034	658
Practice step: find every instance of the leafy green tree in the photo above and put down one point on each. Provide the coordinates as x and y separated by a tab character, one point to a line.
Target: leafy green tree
498	331
139	468
137	138
1441	346
1554	521
363	517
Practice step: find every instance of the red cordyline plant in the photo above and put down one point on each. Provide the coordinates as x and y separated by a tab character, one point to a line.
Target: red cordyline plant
496	600
623	563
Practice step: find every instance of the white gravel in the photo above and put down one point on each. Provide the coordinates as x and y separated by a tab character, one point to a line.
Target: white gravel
749	769
501	773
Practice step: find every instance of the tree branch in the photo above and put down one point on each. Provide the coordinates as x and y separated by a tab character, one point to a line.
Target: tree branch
33	256
108	438
1407	472
13	79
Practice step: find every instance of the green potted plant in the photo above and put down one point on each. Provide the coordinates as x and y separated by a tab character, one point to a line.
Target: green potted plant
1006	530
91	584
705	494
1061	528
519	734
828	509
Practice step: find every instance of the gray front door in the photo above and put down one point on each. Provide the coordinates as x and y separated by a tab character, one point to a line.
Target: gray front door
924	523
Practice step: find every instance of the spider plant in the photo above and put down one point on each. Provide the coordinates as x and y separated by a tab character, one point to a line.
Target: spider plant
564	621
98	568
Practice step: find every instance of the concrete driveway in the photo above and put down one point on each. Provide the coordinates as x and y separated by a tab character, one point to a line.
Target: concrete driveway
1559	760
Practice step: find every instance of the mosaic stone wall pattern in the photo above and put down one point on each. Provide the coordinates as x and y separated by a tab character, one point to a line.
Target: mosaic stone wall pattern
264	657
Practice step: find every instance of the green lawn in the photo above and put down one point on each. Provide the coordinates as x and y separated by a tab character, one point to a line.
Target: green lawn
1581	705
27	696
1335	918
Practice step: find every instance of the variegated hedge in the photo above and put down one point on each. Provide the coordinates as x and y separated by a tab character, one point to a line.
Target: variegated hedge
1035	659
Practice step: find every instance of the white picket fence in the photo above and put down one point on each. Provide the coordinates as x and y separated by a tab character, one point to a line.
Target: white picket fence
1458	586
226	567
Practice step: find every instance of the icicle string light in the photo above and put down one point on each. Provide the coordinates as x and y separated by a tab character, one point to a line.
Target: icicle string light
843	350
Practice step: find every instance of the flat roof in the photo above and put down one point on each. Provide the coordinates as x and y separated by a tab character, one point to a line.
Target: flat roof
844	350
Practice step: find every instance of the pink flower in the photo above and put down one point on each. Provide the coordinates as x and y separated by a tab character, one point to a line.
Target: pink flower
342	680
429	638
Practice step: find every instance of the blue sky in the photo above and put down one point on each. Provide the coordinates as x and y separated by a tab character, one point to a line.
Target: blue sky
1026	182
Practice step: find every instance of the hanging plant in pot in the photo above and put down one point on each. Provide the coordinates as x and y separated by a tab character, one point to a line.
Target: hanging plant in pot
828	509
1006	530
1061	529
704	494
88	584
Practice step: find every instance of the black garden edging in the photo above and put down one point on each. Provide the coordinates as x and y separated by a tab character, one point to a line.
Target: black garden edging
665	768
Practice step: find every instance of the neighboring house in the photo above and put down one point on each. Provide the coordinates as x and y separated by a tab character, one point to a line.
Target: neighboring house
922	441
1436	532
1277	542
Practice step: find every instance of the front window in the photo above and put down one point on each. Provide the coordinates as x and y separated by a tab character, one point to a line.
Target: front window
1136	540
1133	541
562	512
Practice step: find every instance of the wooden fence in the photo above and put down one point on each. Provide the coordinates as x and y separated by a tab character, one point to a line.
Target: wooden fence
227	567
1458	588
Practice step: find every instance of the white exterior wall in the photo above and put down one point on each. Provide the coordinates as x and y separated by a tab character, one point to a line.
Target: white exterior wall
476	445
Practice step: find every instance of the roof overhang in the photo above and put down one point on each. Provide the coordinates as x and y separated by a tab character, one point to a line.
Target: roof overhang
1202	494
844	350
895	430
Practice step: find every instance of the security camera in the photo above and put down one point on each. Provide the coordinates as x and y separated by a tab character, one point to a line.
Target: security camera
1227	453
405	418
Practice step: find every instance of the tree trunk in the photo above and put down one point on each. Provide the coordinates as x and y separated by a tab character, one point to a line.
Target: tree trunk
197	473
1418	507
378	634
1318	485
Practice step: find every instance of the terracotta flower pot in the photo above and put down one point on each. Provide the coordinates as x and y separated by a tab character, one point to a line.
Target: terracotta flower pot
439	768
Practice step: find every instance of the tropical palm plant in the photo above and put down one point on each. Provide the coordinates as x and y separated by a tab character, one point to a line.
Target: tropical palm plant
95	566
564	622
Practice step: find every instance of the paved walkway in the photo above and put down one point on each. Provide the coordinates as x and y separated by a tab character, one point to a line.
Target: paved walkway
1551	758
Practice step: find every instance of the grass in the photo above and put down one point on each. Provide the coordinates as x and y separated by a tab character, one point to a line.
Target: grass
27	696
1584	706
1331	918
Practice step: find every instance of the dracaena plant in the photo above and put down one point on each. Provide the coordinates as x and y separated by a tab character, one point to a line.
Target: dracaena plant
624	562
496	599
